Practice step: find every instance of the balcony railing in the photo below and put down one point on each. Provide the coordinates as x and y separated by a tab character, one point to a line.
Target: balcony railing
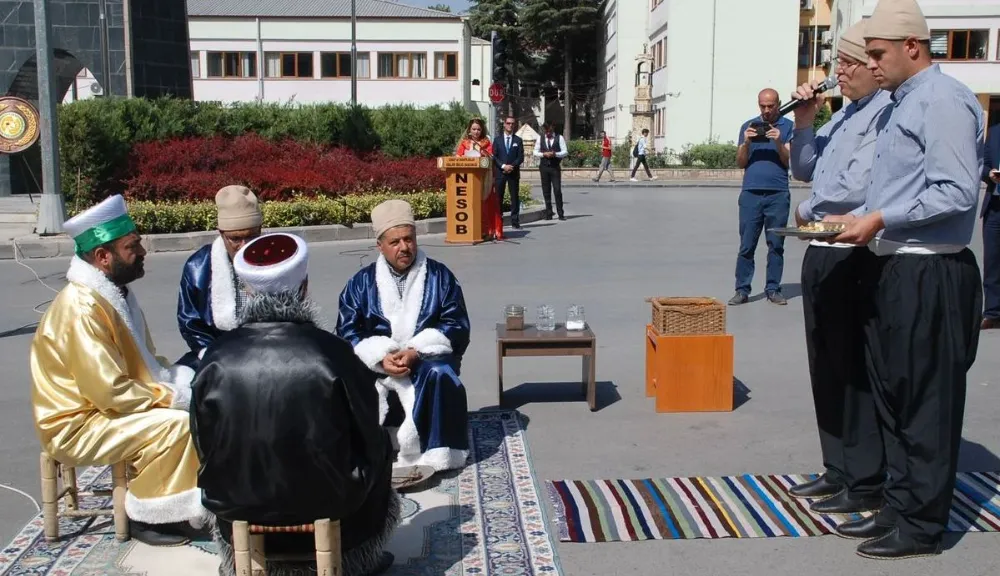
642	109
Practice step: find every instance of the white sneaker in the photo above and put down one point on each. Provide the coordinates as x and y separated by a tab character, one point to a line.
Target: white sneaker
633	179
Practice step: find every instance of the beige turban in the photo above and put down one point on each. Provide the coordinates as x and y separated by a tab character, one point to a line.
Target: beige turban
852	42
390	214
897	20
238	208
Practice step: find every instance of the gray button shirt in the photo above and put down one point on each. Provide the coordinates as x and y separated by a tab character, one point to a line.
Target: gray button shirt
838	158
928	162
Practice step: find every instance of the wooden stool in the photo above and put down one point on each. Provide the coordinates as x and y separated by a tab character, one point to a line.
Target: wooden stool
689	373
51	495
248	547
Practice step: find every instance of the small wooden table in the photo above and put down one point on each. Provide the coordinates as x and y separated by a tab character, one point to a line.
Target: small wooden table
558	342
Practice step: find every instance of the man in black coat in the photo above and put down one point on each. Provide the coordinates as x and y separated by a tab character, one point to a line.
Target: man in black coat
284	418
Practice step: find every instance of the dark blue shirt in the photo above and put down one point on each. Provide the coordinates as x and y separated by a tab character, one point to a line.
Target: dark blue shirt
765	170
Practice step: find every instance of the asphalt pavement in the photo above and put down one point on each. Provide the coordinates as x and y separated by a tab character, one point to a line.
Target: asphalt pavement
619	246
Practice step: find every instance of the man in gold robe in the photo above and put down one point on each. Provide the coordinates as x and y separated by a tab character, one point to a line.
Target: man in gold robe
99	393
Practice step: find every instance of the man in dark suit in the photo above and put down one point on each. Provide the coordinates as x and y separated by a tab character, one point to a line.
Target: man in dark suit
508	153
990	213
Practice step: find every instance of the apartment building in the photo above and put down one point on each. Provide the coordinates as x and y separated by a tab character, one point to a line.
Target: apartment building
266	50
709	62
965	41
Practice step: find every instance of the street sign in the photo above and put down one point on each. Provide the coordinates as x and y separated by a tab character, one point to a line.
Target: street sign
497	92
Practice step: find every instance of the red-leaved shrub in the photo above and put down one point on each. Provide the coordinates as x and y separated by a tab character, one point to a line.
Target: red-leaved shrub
195	169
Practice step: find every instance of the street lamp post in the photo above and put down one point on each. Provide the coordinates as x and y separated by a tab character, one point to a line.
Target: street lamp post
354	53
51	211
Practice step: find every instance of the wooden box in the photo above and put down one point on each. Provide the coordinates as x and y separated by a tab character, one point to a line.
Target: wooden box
689	373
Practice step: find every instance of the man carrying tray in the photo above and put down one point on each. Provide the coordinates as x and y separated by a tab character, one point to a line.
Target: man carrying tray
838	161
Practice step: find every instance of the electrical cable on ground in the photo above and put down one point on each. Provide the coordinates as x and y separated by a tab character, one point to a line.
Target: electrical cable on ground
23	493
17	259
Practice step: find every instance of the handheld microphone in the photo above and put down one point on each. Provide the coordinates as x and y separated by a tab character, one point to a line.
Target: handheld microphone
828	84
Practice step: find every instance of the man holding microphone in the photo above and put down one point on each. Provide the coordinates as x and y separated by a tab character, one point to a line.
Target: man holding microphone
838	161
923	335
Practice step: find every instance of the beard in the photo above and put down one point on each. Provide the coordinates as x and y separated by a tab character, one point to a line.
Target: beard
123	274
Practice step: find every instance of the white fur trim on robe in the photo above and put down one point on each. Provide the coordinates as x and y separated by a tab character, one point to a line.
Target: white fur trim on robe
402	314
177	377
185	506
222	288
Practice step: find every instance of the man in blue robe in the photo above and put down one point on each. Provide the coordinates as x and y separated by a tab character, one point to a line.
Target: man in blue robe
211	296
405	316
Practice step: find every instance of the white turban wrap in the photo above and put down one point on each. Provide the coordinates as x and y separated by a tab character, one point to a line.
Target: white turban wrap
273	263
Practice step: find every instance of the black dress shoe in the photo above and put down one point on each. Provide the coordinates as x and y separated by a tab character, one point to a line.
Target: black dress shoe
516	224
894	546
818	488
863	529
158	534
562	217
843	503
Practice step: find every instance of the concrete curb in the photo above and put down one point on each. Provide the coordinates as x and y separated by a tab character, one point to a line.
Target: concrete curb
32	247
571	183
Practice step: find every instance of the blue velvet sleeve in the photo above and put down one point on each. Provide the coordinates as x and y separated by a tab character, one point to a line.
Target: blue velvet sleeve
192	301
453	319
352	311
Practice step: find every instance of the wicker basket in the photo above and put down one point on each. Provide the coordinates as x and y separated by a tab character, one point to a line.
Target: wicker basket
688	315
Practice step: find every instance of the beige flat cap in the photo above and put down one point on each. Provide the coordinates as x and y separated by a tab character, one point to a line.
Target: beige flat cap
897	20
852	42
238	209
390	214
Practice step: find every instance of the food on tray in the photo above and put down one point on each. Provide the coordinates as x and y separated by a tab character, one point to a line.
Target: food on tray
823	227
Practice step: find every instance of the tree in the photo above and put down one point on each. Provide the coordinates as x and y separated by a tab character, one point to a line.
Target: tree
440	7
558	25
501	16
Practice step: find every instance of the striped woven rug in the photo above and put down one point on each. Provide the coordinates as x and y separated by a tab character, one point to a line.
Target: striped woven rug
728	507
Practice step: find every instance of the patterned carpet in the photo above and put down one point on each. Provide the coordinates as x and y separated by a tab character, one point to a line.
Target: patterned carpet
487	519
744	506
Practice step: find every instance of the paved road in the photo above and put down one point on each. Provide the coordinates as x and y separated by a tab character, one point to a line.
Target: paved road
618	247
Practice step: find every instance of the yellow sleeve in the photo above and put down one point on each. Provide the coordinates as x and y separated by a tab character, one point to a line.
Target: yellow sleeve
101	373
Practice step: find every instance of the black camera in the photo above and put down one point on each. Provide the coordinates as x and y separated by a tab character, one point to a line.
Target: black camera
761	128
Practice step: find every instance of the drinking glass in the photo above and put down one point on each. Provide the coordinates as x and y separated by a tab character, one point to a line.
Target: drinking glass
546	318
575	319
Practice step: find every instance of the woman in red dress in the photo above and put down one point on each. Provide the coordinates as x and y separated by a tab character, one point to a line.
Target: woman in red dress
477	142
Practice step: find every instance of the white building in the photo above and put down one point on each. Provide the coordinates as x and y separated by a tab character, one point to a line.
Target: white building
708	64
712	57
300	51
624	36
965	41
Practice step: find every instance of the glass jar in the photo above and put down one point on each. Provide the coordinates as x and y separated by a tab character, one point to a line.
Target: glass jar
546	318
575	319
513	317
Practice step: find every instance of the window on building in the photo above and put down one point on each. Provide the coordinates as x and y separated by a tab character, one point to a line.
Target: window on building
338	65
811	46
289	64
446	64
229	64
196	65
402	65
959	44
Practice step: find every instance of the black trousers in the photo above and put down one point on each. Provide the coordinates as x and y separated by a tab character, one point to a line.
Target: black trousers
923	335
510	182
551	182
834	312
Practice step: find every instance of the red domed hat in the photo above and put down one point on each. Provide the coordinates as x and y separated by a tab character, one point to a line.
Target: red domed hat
273	263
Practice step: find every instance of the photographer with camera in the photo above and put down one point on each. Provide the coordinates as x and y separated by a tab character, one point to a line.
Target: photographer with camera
763	154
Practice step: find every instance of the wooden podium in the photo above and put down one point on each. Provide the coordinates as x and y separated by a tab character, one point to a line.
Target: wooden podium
466	179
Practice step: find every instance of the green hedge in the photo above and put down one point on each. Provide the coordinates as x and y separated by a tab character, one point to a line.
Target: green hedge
157	218
96	135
